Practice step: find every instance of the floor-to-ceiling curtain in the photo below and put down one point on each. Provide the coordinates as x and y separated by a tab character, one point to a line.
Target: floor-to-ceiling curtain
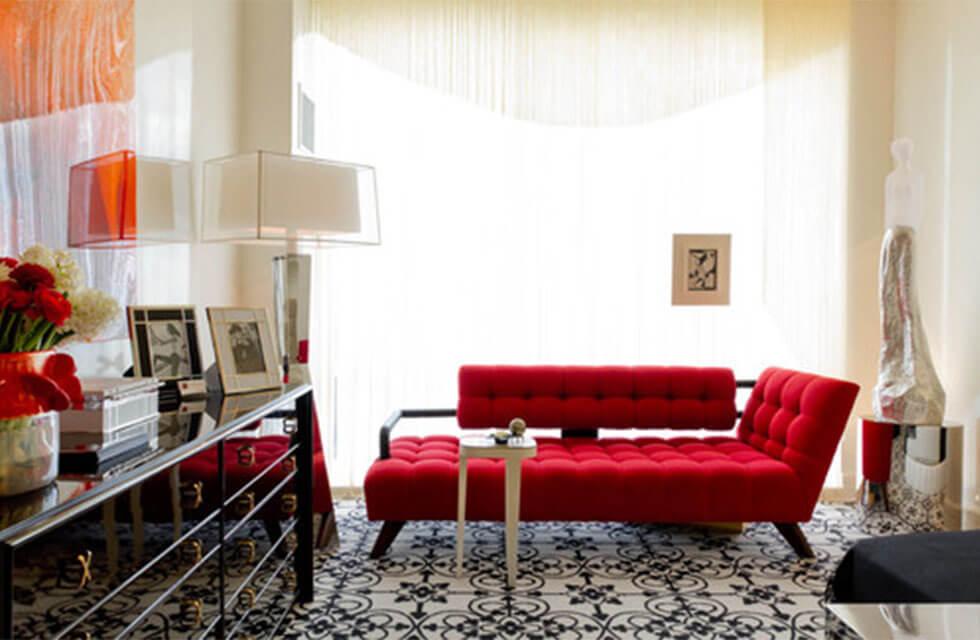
534	160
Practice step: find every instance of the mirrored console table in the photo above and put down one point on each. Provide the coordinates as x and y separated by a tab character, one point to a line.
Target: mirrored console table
171	544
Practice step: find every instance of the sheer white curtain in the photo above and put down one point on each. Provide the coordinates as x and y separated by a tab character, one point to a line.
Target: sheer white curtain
511	240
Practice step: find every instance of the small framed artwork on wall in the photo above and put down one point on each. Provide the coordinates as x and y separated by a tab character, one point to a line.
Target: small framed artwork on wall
244	349
164	343
702	269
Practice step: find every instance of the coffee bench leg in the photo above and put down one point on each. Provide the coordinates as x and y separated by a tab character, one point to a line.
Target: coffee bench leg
512	514
389	530
794	536
460	515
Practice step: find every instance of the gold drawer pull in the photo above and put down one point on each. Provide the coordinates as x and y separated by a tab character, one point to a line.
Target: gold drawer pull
245	504
246	455
76	571
192	494
289	503
192	551
85	561
246	550
290	426
246	599
289	464
195	606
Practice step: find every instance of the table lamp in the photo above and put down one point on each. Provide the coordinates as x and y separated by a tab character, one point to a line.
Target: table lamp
296	201
122	200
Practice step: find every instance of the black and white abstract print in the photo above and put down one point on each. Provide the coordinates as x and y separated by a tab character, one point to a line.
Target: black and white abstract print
702	269
581	580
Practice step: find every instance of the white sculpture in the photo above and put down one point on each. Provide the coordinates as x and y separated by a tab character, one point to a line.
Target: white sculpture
908	389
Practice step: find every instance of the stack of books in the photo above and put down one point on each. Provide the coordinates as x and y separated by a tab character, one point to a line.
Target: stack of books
120	421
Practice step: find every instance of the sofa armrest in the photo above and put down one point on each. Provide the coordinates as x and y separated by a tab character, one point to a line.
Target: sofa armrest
743	384
398	414
798	418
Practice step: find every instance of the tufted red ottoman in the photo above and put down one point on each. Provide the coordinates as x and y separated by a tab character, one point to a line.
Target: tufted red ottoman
770	469
247	456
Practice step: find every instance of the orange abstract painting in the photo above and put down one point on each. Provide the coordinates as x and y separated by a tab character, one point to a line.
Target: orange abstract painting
61	54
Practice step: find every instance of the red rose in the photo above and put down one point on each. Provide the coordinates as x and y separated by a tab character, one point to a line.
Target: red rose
13	296
60	367
30	275
9	262
46	392
52	305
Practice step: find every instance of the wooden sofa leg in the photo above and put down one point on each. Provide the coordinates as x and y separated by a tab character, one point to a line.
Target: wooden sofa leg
389	530
794	536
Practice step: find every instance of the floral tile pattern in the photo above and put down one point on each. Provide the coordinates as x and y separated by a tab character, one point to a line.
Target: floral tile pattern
582	580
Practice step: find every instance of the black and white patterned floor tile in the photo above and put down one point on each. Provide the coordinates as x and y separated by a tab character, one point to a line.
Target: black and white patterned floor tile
581	580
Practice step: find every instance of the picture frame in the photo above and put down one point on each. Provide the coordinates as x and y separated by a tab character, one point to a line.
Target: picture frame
164	342
244	349
180	424
701	269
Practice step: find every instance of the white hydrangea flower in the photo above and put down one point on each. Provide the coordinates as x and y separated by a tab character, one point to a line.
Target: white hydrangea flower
68	276
39	254
92	311
4	272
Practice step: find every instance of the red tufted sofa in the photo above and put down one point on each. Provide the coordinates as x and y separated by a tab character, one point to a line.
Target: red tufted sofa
770	469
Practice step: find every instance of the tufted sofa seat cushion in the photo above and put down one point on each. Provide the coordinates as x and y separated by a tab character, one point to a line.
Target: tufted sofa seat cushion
679	479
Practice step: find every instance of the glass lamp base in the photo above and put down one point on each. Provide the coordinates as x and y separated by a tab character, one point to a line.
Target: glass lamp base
291	279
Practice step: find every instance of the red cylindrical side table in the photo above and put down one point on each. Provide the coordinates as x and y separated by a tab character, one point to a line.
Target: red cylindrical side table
914	470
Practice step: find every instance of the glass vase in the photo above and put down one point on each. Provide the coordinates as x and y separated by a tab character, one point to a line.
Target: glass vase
28	453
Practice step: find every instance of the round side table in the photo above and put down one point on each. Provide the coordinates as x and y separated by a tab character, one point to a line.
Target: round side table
513	453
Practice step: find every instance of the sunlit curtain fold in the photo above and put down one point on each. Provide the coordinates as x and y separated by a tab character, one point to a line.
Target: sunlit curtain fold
560	62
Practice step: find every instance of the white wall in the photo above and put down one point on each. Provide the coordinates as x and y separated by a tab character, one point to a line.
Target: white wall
188	77
937	105
266	122
872	67
218	72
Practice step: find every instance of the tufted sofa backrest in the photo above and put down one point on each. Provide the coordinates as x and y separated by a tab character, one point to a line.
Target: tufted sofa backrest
597	397
798	418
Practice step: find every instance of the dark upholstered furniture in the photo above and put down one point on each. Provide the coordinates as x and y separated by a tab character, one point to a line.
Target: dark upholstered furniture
914	568
770	469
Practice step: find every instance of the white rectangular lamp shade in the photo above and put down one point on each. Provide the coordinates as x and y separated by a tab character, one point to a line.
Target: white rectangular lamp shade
163	200
269	197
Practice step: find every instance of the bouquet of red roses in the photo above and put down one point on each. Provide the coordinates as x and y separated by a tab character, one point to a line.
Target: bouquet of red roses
43	302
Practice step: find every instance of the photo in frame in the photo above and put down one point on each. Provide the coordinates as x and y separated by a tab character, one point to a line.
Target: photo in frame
244	348
179	424
233	407
701	269
164	342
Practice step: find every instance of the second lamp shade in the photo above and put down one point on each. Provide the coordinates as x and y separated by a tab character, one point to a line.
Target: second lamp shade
263	196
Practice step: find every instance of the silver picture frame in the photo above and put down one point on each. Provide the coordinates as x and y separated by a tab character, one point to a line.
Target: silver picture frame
244	348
